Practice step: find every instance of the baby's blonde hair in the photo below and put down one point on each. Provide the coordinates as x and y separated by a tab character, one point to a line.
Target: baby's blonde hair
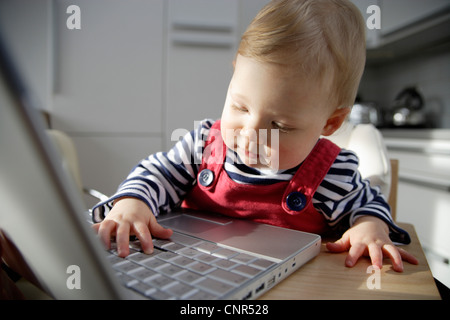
317	38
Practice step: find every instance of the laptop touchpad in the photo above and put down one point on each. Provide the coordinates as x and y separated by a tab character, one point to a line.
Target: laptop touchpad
193	224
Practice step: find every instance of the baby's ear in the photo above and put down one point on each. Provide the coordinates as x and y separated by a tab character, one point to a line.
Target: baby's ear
335	121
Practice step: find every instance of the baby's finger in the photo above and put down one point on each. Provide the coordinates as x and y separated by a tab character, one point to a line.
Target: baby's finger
341	245
159	231
355	252
376	255
123	239
105	229
406	256
145	238
394	255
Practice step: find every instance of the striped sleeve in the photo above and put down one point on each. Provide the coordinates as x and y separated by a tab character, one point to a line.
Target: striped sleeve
344	196
162	179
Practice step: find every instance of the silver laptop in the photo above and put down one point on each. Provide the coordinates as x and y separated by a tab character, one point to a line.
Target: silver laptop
41	213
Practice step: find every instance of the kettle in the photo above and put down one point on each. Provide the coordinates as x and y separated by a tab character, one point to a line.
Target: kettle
407	110
365	112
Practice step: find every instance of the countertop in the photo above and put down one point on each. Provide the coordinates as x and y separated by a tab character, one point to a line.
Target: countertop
426	134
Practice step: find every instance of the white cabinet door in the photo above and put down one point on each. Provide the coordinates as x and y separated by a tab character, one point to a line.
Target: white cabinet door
108	74
201	45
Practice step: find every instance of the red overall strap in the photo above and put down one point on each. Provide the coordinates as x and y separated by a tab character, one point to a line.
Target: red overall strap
214	154
311	173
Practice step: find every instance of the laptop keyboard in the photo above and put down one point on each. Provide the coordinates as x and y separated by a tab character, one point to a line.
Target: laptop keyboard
185	268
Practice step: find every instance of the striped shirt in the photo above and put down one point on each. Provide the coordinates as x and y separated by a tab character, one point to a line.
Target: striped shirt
164	178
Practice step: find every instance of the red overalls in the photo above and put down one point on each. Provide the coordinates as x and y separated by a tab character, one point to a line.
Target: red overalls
286	204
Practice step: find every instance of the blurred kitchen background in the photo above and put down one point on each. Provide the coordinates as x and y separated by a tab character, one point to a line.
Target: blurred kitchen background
138	69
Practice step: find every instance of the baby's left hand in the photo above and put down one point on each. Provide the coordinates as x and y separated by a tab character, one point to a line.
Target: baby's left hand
369	236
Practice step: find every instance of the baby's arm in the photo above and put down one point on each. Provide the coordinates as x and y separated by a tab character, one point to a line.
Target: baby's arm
369	236
130	216
157	183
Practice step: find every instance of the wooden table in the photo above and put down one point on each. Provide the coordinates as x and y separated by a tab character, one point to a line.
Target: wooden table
326	277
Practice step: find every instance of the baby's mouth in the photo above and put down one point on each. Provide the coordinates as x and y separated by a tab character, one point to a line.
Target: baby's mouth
253	154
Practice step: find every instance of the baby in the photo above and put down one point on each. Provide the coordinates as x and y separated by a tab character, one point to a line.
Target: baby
296	75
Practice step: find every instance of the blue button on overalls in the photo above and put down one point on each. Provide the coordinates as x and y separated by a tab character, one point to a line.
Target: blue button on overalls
206	177
296	201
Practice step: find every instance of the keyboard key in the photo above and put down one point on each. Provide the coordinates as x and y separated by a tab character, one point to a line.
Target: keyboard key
138	257
126	279
262	264
225	264
207	247
189	252
142	273
153	263
243	258
174	247
188	276
142	288
214	286
160	281
135	246
202	295
225	253
180	290
160	295
227	276
206	258
170	270
113	259
182	261
160	243
167	256
201	267
126	266
247	270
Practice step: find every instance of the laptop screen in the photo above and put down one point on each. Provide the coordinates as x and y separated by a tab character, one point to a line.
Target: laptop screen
41	212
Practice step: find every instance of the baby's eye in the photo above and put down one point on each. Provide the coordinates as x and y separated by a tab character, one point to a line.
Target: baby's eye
239	108
280	127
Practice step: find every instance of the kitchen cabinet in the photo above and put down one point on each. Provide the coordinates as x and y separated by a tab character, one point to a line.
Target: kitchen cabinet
424	190
201	44
202	40
107	75
406	25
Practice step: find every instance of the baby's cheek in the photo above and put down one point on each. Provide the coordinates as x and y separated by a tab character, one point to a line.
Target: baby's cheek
288	156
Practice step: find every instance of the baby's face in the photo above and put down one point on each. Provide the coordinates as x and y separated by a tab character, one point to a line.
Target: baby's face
271	118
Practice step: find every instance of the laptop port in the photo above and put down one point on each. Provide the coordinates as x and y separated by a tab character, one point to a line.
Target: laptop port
248	296
261	287
271	282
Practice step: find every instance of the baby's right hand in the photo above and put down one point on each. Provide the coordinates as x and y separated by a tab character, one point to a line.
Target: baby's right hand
130	216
